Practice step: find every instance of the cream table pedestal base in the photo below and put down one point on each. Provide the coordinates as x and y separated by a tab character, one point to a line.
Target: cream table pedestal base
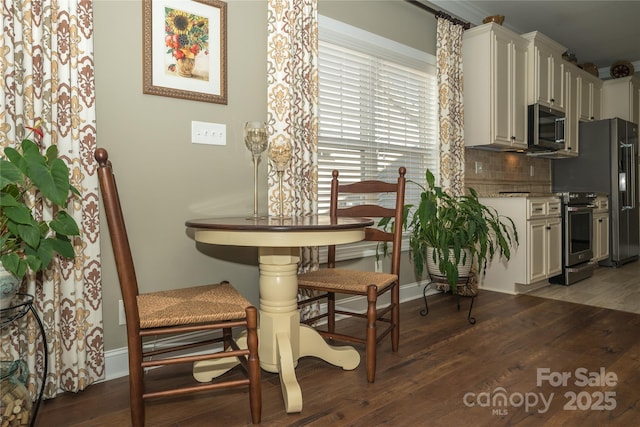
283	340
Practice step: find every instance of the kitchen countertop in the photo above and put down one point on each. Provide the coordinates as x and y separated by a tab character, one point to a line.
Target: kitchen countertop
519	194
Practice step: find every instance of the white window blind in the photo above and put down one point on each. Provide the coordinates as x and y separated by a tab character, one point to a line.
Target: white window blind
377	110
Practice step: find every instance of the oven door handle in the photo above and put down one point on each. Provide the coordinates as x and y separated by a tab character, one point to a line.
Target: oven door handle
580	208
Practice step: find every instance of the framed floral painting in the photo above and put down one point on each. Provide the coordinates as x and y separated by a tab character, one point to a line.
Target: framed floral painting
185	49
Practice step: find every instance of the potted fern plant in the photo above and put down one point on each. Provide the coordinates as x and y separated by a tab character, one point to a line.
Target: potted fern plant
450	232
28	176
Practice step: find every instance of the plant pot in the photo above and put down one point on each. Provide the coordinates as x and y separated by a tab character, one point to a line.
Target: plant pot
434	270
9	285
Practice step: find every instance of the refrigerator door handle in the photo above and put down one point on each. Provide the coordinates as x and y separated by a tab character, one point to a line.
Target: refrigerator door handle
627	176
632	169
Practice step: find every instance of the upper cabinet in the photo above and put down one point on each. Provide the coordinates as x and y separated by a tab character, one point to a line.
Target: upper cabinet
496	75
589	96
582	104
572	107
621	98
505	73
547	70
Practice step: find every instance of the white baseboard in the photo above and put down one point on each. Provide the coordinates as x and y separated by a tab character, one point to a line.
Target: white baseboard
117	361
524	289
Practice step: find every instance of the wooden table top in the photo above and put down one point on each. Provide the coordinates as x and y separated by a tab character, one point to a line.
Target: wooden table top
279	232
302	223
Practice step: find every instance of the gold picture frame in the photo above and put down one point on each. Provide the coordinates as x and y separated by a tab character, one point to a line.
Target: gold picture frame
185	49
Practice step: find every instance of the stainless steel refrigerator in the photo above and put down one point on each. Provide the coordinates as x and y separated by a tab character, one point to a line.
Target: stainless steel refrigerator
608	163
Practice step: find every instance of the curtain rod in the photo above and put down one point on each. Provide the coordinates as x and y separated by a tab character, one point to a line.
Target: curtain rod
440	14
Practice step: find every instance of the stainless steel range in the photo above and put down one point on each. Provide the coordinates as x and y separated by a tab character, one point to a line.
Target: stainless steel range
577	237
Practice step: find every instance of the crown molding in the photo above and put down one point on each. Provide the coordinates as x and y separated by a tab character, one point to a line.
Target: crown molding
462	9
466	10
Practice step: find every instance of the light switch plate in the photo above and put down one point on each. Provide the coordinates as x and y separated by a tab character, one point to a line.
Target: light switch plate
208	133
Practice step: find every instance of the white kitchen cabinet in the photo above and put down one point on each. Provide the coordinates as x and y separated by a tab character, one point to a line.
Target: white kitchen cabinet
495	69
539	254
571	123
544	237
589	96
621	98
601	228
547	71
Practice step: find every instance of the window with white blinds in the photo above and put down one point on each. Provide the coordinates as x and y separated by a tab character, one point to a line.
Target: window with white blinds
377	110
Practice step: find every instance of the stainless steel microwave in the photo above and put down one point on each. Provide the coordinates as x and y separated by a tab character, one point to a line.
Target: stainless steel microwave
546	128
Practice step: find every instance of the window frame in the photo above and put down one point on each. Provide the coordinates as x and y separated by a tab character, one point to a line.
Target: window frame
349	37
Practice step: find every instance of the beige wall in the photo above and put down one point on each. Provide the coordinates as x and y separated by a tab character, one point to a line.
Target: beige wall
163	179
394	19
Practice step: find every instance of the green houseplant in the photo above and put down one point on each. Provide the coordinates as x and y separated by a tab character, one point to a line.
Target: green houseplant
456	230
28	176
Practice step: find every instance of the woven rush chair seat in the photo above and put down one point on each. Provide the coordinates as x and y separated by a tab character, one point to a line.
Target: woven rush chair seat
346	281
206	316
199	304
325	283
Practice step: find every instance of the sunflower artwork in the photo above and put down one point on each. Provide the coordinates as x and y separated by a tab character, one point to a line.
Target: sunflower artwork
185	49
187	39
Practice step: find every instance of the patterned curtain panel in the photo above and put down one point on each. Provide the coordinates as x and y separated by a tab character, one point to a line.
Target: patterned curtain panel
450	107
292	113
46	57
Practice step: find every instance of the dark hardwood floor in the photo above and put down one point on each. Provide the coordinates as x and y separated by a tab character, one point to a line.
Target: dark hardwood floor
447	373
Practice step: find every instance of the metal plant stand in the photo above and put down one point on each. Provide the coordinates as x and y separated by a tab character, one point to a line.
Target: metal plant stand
463	282
21	307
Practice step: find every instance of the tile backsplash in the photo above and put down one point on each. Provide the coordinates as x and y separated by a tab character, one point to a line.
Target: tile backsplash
505	171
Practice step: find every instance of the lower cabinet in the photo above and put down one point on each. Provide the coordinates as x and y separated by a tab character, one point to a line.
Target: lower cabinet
601	229
544	238
539	253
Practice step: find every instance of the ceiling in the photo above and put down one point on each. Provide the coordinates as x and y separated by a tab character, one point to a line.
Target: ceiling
597	31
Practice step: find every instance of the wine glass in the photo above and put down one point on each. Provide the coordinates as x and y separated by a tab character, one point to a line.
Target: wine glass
255	138
280	153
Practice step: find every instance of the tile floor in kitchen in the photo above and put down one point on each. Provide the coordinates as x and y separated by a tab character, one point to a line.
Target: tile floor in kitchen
614	288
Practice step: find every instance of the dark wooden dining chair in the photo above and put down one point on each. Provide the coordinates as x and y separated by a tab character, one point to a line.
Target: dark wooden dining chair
353	200
210	311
